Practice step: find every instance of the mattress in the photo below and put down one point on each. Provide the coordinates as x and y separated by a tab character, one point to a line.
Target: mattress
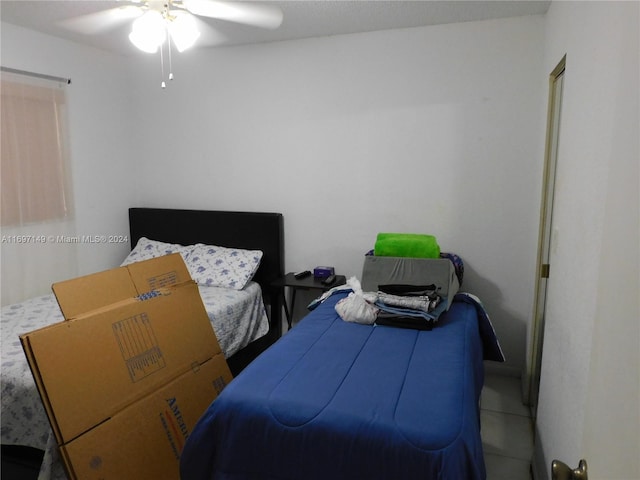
238	317
340	400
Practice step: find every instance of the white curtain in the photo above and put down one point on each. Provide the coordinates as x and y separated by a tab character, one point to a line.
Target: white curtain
38	245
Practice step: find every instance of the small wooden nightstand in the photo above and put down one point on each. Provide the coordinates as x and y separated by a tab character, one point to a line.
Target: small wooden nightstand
307	283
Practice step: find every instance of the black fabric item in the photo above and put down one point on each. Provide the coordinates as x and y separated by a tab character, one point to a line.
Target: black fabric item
400	321
408	290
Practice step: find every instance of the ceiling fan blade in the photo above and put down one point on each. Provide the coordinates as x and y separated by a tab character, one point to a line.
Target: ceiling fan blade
103	20
255	14
209	37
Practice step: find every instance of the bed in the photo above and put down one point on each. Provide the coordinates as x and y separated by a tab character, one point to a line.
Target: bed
343	400
257	306
244	230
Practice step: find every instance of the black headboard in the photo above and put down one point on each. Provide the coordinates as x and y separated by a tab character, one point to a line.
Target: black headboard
248	230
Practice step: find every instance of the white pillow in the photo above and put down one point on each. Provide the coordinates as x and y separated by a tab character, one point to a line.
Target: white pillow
211	265
147	249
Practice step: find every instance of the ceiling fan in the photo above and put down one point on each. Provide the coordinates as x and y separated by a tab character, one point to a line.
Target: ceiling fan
157	21
173	21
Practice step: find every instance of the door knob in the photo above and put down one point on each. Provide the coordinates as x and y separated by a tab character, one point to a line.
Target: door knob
560	471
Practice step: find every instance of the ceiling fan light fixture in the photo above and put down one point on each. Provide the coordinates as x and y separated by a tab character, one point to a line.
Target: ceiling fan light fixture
183	30
149	31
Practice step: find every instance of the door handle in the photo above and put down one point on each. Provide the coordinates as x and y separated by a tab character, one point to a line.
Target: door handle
560	471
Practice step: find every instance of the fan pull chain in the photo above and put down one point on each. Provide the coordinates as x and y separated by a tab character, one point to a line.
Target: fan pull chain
163	85
170	65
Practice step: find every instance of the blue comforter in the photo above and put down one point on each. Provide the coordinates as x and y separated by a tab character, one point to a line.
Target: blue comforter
335	400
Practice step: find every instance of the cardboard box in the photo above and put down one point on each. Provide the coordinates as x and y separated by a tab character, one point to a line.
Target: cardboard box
128	373
412	271
145	440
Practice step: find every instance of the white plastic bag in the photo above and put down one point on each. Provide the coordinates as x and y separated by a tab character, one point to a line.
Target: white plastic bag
356	308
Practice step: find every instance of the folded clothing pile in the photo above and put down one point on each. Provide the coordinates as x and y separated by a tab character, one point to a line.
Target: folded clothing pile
409	306
405	306
413	245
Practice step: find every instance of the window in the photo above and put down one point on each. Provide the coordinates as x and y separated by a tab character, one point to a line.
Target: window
35	177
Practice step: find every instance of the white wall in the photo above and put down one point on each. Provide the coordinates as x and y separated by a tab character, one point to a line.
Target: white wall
431	130
589	391
435	130
101	135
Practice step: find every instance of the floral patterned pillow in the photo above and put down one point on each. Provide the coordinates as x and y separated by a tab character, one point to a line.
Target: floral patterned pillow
211	265
147	249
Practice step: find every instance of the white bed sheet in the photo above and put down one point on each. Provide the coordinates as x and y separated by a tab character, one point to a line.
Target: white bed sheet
238	317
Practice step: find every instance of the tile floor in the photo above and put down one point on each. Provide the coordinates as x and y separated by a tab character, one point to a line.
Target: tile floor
507	429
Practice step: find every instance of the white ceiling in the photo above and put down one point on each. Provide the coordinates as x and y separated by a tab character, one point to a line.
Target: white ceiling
302	18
